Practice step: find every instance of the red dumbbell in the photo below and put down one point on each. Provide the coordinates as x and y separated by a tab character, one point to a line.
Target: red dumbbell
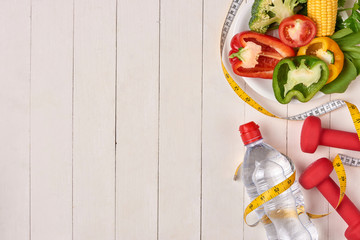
313	135
317	175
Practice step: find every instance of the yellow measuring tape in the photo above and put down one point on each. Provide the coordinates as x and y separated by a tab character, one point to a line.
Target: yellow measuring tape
318	111
285	185
268	195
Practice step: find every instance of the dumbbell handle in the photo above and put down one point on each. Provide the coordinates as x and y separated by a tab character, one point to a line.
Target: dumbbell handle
347	210
312	135
339	139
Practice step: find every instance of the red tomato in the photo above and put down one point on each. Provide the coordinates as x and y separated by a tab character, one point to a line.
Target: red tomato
297	30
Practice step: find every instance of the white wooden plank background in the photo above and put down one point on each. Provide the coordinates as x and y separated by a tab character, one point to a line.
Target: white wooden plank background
51	120
94	119
137	132
117	123
15	119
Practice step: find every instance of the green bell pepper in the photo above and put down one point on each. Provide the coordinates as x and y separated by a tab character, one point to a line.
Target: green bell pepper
300	77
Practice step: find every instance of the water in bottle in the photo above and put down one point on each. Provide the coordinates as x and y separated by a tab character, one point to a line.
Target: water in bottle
263	168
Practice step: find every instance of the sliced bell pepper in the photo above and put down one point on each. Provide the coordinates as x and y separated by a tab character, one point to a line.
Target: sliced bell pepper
256	55
300	77
341	83
327	50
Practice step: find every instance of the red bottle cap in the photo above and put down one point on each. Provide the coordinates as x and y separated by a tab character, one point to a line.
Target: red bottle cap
250	132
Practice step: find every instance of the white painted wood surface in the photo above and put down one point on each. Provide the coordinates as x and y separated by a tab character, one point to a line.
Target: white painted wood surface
117	123
51	120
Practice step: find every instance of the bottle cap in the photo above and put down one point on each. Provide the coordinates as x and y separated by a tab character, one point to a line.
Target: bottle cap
250	132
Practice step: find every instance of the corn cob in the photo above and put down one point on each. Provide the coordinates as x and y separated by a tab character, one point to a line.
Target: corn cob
323	13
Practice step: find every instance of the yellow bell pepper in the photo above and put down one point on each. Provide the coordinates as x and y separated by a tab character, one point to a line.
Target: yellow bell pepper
327	50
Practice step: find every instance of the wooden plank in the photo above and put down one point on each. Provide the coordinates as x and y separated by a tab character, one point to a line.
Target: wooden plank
222	148
180	120
51	119
94	119
137	121
14	120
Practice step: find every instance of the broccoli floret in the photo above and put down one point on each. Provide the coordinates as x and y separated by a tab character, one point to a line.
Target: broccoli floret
266	12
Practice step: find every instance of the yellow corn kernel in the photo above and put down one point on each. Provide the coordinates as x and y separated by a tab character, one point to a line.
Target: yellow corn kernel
323	13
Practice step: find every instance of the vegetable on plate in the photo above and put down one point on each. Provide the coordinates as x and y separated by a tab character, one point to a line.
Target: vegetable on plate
256	55
327	50
297	30
341	83
353	21
347	41
300	77
323	13
268	12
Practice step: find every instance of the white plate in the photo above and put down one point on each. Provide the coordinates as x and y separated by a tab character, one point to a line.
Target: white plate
259	85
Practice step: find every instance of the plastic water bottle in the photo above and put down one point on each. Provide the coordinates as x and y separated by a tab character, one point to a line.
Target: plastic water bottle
263	168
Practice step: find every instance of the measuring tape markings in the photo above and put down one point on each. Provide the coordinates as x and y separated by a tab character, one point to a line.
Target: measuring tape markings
340	172
317	111
338	163
350	161
234	7
285	185
268	195
355	115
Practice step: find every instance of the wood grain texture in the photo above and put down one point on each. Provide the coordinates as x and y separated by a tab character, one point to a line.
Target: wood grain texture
51	119
137	120
94	119
180	119
15	119
222	149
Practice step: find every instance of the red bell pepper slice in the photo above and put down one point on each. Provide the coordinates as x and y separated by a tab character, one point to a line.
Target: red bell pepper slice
256	55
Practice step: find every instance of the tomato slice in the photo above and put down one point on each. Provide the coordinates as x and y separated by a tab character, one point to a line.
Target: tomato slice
297	30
